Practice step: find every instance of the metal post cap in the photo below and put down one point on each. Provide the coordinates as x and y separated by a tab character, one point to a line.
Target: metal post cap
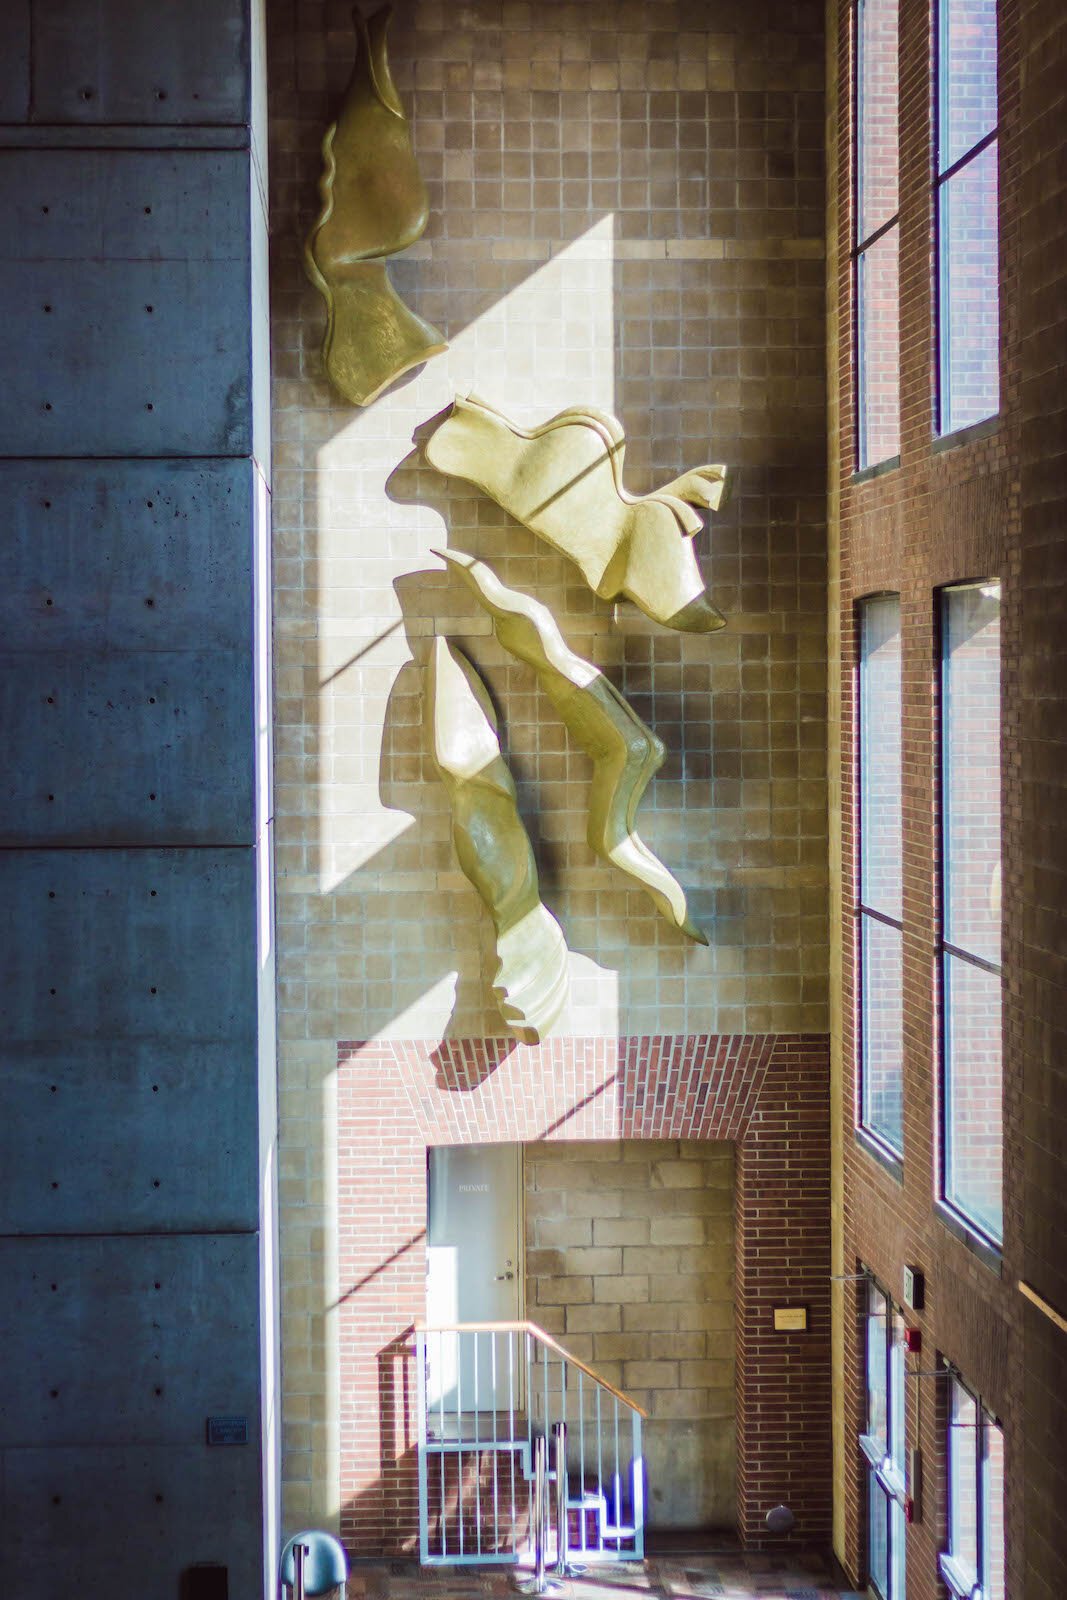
325	1565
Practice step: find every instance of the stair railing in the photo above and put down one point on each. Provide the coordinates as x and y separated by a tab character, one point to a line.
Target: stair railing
486	1392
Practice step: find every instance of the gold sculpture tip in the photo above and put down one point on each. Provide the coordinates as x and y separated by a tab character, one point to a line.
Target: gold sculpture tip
374	203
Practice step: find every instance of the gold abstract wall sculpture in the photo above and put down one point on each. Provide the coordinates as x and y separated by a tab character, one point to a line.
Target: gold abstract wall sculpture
563	480
374	203
625	753
493	846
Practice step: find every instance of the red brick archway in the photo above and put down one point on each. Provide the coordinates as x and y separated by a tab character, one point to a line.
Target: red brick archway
767	1093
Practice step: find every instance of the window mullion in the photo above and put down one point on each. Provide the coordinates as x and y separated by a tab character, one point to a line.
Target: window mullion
873	238
993	967
961	161
979	1492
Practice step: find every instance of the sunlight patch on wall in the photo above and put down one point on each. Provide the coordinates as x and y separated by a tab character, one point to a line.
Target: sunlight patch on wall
546	343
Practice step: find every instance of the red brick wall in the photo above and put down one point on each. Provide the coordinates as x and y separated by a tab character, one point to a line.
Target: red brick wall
768	1093
942	516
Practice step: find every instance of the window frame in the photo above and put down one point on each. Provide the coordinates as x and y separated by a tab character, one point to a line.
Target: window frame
939	180
858	248
882	1146
885	1469
964	1584
946	949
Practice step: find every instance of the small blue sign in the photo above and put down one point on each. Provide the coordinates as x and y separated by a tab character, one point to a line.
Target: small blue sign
227	1430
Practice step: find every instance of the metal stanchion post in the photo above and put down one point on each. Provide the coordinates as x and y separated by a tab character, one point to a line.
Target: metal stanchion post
540	1507
541	1583
560	1432
299	1552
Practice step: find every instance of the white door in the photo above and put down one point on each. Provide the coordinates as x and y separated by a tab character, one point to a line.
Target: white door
474	1271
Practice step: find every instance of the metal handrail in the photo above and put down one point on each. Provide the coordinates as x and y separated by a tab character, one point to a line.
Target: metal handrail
543	1338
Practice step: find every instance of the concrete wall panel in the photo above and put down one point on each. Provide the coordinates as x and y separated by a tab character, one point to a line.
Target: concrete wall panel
125	205
137	1168
15	62
127	1137
188	1312
126	282
141	555
119	944
90	370
135	749
124	61
103	1523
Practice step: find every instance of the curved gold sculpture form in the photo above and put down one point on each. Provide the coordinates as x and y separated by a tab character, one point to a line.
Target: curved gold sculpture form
373	204
625	753
563	480
493	846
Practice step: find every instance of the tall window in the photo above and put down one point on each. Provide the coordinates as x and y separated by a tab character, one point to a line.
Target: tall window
883	1446
970	904
973	1564
878	911
966	183
876	290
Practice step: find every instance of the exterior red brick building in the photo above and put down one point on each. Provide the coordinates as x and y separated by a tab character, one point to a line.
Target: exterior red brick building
950	507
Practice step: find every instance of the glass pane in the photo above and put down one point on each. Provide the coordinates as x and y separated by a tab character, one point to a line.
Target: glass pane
882	1096
963	1479
877	1537
876	120
897	1546
877	1392
973	1093
971	756
968	78
896	1396
878	375
993	1509
969	308
880	719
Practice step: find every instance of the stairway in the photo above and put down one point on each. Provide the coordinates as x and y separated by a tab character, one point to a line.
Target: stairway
479	1483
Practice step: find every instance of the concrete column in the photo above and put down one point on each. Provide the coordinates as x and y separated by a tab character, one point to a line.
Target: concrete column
137	1107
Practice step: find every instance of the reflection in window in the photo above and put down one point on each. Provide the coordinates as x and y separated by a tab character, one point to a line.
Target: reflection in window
879	928
883	1445
970	960
974	1560
876	233
966	200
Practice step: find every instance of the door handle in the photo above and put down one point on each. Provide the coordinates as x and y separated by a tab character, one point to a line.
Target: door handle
503	1277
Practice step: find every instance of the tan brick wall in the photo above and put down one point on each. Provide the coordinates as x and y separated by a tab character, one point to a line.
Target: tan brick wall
626	210
703	330
630	1262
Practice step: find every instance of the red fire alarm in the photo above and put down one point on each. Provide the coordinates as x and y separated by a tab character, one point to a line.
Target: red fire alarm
909	1509
913	1340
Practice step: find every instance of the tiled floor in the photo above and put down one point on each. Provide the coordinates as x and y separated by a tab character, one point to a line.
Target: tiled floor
707	1577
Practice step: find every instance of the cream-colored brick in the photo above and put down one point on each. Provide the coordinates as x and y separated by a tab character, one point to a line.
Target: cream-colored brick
621	1230
622	1290
565	1291
594	1318
598	1263
678	1230
562	1232
621	1346
650	1374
